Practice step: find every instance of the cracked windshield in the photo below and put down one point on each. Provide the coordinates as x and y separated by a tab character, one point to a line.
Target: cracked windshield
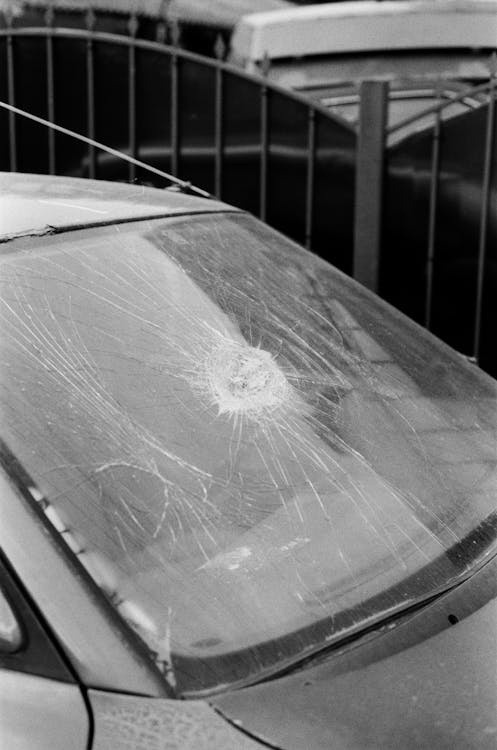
251	455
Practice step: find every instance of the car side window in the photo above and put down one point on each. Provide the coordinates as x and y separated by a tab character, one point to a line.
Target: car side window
26	644
11	637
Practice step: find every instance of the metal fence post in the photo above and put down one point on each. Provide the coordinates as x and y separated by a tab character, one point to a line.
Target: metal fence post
485	206
370	159
219	50
175	64
132	30
11	91
49	22
90	91
161	29
433	209
264	138
311	164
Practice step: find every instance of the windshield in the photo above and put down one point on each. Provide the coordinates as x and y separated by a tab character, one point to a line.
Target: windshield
250	454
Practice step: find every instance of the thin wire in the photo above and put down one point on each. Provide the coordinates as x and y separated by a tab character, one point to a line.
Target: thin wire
175	180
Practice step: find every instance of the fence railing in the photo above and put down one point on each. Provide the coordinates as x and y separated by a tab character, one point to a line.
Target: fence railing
414	218
154	22
246	141
438	225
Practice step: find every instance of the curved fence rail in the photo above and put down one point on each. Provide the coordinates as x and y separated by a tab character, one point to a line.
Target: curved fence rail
410	210
245	141
207	34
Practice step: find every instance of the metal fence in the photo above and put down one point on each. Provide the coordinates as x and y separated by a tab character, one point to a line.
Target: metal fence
436	236
414	218
274	153
206	33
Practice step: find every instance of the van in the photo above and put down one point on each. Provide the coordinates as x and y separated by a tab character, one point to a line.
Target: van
347	40
325	51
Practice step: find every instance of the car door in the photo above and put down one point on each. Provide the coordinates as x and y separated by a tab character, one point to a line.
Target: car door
41	705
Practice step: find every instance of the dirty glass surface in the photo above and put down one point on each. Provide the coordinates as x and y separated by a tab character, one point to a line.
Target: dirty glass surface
251	455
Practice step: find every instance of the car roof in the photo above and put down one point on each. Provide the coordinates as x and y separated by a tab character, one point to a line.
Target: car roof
40	204
366	26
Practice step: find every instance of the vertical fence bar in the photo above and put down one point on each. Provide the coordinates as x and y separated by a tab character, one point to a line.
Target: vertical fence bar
264	152
482	241
161	28
266	63
174	114
161	33
219	123
11	93
175	63
133	29
370	159
49	17
90	92
311	160
219	51
432	216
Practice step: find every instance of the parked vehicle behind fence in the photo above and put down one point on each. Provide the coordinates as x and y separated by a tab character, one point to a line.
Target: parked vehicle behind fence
321	48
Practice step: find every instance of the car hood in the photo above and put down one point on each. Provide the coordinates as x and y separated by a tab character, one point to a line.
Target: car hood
39	204
428	680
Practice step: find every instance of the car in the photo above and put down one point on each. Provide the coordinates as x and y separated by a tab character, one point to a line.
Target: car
428	52
244	502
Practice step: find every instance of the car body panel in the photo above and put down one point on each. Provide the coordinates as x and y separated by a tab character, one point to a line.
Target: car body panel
36	712
125	721
91	639
33	204
36	652
427	680
363	26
